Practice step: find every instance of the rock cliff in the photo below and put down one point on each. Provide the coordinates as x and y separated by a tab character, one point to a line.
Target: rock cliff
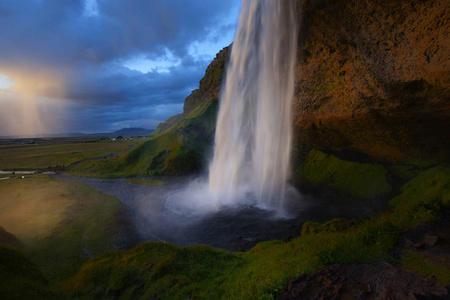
374	76
356	57
210	84
182	144
372	82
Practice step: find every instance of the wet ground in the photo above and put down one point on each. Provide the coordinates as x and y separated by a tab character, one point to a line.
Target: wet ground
236	228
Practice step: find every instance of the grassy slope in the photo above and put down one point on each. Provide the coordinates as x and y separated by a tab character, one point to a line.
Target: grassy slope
20	278
57	220
169	272
180	148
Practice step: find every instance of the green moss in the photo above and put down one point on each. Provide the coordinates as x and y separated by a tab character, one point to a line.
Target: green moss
404	172
356	179
155	269
416	262
432	184
335	225
323	89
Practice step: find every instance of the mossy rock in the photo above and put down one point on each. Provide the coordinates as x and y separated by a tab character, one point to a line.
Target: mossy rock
361	180
433	185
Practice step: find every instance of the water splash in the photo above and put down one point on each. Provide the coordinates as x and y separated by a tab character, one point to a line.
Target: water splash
251	160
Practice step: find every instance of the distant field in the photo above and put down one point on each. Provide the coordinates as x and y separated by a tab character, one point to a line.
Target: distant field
45	153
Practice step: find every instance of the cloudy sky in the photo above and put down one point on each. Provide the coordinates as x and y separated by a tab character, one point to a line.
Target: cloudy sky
101	65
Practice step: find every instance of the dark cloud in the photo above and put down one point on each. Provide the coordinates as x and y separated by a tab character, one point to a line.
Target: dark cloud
86	53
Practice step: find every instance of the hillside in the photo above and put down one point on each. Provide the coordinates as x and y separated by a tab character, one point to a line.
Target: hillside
180	145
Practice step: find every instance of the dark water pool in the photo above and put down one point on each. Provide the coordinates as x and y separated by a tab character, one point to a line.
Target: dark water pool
236	228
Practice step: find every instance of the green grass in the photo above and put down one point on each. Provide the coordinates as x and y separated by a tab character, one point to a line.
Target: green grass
20	278
103	168
56	220
180	148
155	269
357	179
169	272
31	157
419	264
431	184
145	181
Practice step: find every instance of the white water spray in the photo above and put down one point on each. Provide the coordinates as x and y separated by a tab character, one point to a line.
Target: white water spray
253	135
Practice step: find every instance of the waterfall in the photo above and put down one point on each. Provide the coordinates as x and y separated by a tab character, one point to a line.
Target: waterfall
251	160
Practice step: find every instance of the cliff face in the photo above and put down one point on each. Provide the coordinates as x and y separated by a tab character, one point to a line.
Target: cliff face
182	144
210	84
356	57
374	76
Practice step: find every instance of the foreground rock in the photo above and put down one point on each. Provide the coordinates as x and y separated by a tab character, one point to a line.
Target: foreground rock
356	280
363	281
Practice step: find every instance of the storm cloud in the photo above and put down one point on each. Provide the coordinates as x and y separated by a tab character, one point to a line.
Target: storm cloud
99	65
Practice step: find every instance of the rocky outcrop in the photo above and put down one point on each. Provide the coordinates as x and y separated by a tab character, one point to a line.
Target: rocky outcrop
356	57
363	281
422	248
182	143
372	77
367	67
210	84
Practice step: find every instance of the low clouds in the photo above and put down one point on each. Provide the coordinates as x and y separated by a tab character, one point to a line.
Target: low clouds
79	54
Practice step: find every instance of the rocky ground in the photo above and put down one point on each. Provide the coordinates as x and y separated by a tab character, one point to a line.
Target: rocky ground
363	281
383	280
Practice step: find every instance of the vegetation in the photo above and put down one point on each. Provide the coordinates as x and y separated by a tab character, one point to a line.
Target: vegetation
417	263
169	272
361	180
20	278
31	157
181	147
59	222
178	146
145	181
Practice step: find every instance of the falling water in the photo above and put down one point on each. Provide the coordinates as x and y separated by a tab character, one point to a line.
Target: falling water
253	136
